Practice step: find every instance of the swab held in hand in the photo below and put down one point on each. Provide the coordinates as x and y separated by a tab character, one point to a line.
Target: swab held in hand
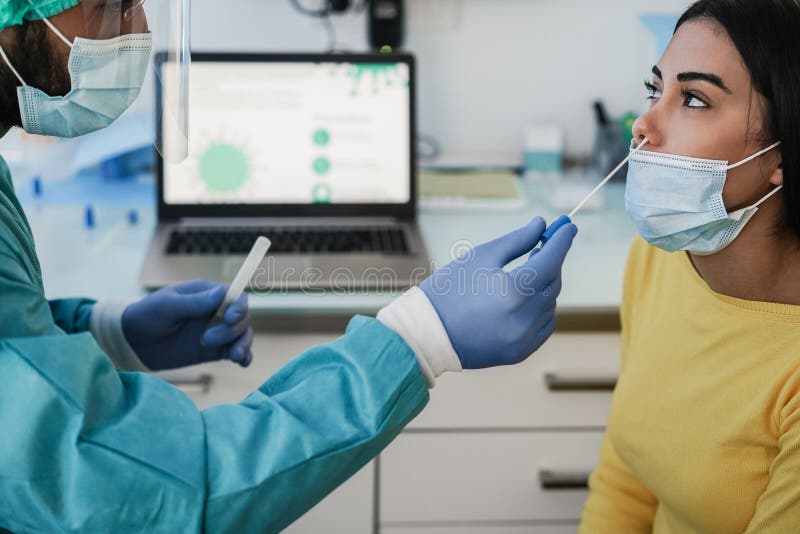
246	272
241	280
566	219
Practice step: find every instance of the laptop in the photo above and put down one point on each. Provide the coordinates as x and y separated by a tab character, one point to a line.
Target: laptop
315	152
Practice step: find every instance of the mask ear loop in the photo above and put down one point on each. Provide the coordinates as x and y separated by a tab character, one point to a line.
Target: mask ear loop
10	66
50	25
8	61
58	33
754	156
767	197
748	160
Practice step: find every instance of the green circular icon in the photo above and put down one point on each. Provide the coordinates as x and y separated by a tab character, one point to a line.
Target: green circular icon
322	137
322	165
224	167
321	194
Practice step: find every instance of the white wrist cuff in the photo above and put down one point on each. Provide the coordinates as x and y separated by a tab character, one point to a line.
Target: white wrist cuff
105	325
413	318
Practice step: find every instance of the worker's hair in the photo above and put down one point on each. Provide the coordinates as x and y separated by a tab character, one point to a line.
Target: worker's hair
33	52
767	35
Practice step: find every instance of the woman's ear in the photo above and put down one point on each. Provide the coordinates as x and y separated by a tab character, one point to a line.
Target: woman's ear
777	176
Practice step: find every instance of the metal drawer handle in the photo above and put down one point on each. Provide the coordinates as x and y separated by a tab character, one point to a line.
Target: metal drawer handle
192	386
550	479
577	382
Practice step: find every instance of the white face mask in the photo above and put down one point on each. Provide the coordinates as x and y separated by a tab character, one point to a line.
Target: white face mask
676	201
107	76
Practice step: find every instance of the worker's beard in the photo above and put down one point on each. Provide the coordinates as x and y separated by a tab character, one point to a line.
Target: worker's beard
34	52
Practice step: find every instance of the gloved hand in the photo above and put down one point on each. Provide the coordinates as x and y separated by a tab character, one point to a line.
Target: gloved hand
494	317
170	328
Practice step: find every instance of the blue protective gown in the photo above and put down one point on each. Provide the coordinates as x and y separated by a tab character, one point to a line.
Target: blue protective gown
87	448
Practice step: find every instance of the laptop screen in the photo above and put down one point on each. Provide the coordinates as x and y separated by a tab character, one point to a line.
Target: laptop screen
295	133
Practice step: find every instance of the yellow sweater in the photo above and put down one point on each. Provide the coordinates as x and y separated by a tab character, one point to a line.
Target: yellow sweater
704	433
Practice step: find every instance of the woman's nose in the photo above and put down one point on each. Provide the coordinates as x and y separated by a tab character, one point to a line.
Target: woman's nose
645	126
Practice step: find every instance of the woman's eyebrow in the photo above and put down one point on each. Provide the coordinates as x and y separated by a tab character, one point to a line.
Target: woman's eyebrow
696	76
705	77
657	72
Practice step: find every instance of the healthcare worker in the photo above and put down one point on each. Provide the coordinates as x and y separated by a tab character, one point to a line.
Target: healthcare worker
89	448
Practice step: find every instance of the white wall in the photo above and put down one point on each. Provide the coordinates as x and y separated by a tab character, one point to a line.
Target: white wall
502	64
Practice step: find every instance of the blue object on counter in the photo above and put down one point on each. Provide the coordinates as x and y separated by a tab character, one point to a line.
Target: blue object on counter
90	187
133	217
553	228
37	186
89	217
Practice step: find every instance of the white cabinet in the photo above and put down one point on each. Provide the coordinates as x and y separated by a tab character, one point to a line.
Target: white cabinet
485	477
483	529
506	450
349	509
490	454
580	368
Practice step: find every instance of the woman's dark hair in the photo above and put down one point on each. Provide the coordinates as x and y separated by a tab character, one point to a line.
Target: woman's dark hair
767	35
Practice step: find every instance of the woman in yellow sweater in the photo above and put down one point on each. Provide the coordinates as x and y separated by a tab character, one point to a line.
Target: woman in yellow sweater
704	433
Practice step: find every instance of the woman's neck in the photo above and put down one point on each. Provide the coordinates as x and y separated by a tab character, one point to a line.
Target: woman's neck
762	264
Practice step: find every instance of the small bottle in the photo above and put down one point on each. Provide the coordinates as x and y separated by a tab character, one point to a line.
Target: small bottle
37	186
89	219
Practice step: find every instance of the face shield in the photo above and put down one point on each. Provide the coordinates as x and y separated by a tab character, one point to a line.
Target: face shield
110	27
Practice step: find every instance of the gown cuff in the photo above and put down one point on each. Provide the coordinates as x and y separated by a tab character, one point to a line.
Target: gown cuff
106	327
413	318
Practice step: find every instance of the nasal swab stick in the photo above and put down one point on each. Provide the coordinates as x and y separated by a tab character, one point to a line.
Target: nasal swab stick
565	219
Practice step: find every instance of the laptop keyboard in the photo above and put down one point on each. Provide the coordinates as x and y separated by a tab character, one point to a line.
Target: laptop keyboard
289	240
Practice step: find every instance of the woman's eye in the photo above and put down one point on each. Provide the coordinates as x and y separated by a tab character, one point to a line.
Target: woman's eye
653	93
692	101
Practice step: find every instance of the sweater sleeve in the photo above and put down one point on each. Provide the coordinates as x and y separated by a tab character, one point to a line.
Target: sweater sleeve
777	509
618	501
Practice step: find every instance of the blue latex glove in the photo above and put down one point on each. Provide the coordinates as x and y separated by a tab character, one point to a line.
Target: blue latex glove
494	317
170	328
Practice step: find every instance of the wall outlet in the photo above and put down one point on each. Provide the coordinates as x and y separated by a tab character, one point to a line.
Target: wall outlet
433	15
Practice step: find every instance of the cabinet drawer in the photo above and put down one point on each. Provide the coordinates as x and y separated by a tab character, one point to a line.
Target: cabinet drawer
493	476
516	529
567	383
348	509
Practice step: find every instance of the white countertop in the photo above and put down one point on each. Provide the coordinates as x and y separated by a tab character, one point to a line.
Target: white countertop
80	262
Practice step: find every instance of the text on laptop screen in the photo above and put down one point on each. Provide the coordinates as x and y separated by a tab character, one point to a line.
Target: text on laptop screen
295	133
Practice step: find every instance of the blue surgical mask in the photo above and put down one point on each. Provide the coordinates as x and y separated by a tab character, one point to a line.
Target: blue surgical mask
676	201
107	76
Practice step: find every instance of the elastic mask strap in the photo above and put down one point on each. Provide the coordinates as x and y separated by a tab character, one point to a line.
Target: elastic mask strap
10	66
754	156
58	33
767	197
50	25
736	214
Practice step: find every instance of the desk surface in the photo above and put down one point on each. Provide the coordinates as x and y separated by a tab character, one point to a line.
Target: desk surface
80	262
